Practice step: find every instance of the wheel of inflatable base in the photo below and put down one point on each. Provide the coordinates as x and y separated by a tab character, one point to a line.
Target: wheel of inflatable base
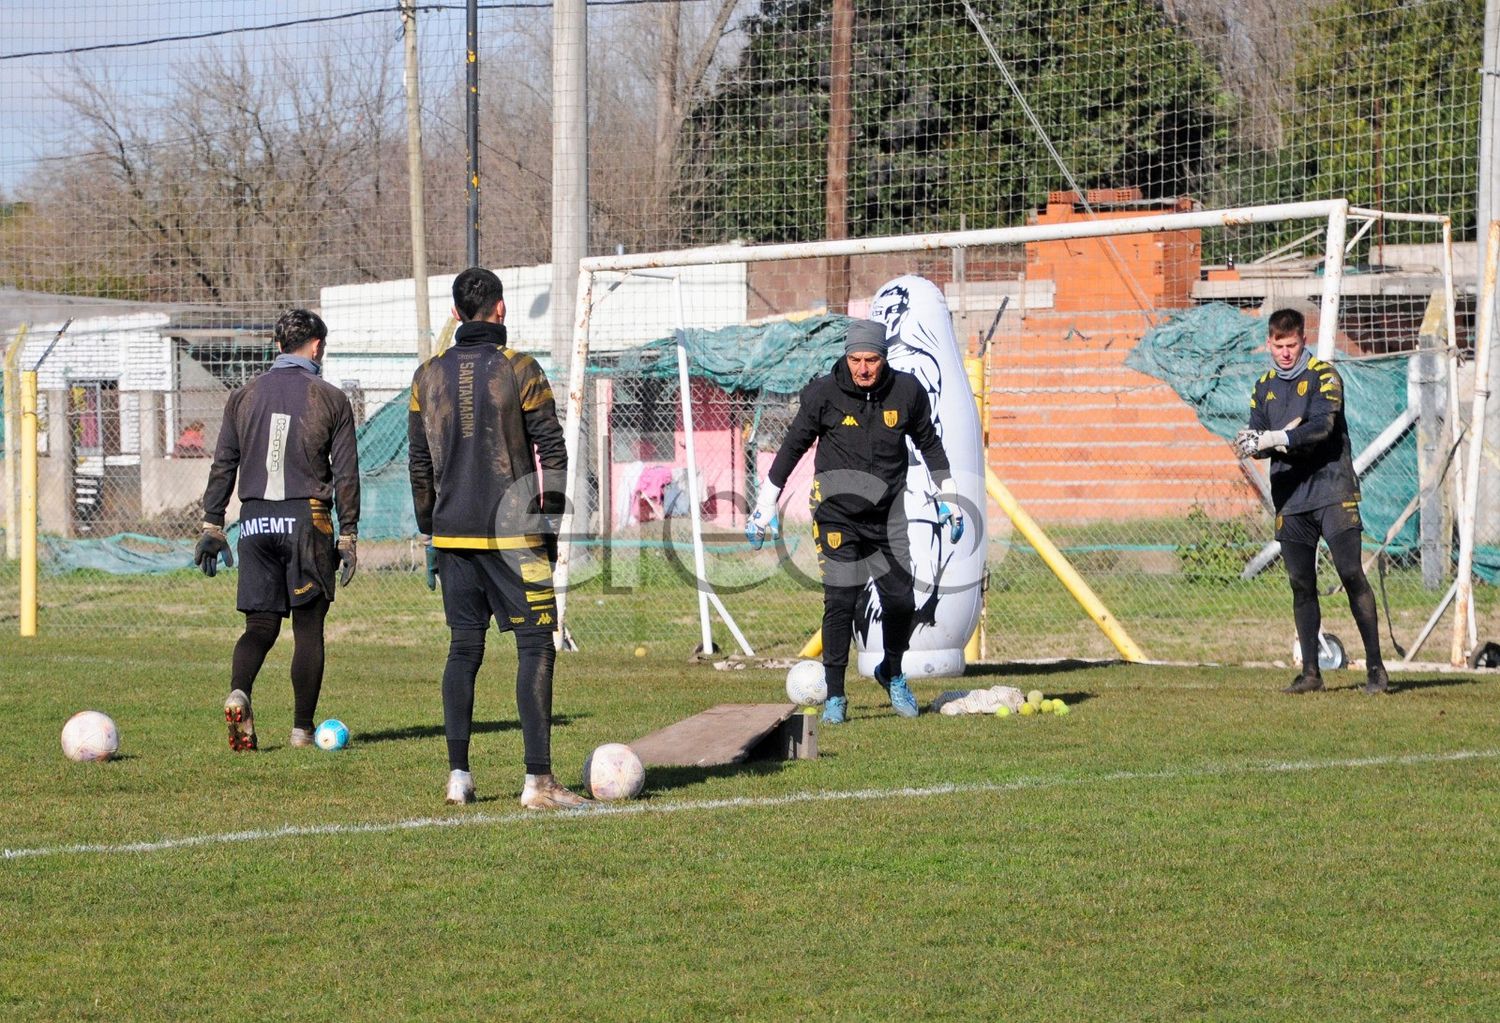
1331	653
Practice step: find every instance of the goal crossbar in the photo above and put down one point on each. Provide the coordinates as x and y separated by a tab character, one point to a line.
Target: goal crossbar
1335	213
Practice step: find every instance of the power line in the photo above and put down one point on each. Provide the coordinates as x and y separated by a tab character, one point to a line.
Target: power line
321	19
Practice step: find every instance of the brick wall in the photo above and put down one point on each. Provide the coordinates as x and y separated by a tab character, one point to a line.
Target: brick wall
1074	433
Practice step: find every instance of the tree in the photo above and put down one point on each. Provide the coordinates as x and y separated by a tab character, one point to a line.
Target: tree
1387	106
244	185
938	134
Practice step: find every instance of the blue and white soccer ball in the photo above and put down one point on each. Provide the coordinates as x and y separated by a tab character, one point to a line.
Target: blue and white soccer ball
805	684
332	734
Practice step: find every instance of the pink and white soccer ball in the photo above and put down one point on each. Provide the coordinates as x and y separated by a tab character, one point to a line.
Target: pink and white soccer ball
805	684
613	771
90	735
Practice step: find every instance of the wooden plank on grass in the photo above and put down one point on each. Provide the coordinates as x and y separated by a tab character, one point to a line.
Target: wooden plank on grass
726	734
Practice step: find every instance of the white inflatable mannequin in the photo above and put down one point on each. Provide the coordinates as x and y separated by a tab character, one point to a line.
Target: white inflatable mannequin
949	577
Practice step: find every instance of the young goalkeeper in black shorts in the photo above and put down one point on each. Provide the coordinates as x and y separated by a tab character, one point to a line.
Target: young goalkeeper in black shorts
1297	421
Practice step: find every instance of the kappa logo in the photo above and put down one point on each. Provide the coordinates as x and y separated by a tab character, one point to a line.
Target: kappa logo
835	539
892	417
1270	396
1302	389
544	619
849	421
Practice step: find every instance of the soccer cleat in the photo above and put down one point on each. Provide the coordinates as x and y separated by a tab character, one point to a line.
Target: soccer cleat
835	711
1378	681
300	738
240	720
460	788
1305	683
902	700
544	792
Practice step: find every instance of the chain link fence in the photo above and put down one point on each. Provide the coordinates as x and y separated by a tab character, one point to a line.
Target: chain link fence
207	181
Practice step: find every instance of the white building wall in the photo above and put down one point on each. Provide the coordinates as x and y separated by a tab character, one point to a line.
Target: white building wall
129	349
380	319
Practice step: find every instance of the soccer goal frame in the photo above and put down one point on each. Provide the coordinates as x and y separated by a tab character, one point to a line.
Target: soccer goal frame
1332	219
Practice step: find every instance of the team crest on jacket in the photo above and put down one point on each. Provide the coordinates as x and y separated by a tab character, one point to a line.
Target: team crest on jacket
835	539
1302	389
891	416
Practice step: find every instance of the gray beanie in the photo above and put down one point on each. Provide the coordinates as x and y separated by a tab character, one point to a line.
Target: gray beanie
865	336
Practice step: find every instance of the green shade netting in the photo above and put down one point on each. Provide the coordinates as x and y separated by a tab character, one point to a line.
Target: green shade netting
1212	355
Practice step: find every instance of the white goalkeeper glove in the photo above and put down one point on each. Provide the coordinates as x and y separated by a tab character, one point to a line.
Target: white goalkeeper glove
950	512
1250	443
764	523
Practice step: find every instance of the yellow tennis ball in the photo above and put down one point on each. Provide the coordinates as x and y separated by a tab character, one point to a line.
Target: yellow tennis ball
1027	710
1002	711
640	651
1034	698
1061	708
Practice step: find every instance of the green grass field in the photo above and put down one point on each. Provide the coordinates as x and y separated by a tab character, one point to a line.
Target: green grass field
1187	844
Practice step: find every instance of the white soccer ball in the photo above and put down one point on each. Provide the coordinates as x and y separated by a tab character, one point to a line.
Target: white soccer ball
805	684
90	735
613	771
331	735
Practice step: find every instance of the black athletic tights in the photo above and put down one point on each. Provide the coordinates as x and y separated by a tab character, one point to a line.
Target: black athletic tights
1302	569
535	657
261	630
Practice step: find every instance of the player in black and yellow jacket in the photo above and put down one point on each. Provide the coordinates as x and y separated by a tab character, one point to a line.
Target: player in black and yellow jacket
861	415
1297	420
481	419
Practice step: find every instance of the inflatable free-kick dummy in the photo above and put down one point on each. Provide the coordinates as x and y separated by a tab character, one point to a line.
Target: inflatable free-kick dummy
949	577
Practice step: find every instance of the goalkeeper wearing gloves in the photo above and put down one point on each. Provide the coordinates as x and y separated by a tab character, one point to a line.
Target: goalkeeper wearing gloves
482	418
289	437
861	415
1297	420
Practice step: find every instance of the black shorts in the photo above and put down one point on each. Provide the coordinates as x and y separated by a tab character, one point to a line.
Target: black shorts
514	587
287	554
1307	527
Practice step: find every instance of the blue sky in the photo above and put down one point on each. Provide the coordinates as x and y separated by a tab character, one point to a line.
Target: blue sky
33	121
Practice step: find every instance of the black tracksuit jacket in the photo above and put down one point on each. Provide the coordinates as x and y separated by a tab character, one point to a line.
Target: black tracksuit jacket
863	430
1316	470
481	417
288	434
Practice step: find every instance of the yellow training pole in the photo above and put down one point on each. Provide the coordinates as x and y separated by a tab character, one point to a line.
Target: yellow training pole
974	366
814	646
12	441
28	503
1062	568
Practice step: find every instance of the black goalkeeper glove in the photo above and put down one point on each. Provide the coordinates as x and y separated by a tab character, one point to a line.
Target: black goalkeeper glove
212	545
348	557
432	568
549	538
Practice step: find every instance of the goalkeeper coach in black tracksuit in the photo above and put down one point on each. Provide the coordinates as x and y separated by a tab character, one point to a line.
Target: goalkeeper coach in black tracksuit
289	437
482	417
861	415
1297	420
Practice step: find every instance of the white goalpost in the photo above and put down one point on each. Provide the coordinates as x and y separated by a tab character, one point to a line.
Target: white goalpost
1333	218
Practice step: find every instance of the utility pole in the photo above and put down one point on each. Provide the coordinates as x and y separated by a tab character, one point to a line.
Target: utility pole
841	59
414	180
570	167
472	129
1487	525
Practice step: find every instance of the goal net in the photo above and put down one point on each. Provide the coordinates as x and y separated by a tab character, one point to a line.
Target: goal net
1116	341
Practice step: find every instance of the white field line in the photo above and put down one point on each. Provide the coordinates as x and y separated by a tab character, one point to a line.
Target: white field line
743	802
